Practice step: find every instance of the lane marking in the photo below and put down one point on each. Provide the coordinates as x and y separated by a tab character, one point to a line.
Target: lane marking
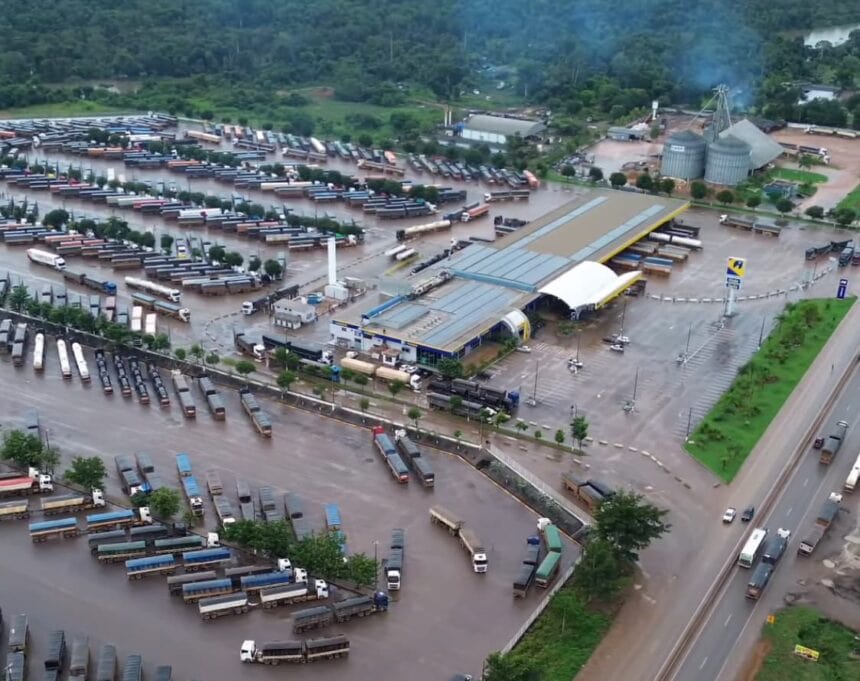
806	482
728	619
704	662
788	512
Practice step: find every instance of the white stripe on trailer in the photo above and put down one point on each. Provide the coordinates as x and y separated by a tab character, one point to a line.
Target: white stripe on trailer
63	354
80	361
39	352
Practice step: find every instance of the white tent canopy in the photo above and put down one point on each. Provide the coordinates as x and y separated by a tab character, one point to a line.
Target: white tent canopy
589	284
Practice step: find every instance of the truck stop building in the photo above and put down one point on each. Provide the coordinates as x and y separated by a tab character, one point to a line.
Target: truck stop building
484	290
498	129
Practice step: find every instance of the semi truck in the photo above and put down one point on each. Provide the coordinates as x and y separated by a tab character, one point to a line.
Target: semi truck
73	503
183	465
833	442
524	579
80	362
469	540
63	357
246	500
153	304
343	611
332	517
19	634
32	483
193	496
412	455
15	510
760	577
80	660
213	400
105	538
101	285
129	477
41	257
115	553
261	420
219	606
383	373
118	519
389	455
288	594
174	584
269	579
443	516
824	520
183	392
396	556
206	559
311	650
224	510
775	546
271	510
64	527
56	656
106	667
194	591
138	568
171	294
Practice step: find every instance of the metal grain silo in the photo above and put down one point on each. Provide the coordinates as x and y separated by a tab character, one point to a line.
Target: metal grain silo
728	161
684	156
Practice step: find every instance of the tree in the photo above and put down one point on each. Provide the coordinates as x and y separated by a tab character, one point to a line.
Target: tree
414	415
181	354
273	269
595	174
458	435
645	182
232	259
599	574
165	503
88	472
559	436
815	212
844	216
197	352
212	358
285	380
754	201
667	185
55	218
217	253
629	524
245	367
19	298
280	356
364	404
784	205
579	429
456	402
698	190
617	180
522	426
395	387
21	448
538	435
806	161
48	459
510	667
725	197
450	368
254	264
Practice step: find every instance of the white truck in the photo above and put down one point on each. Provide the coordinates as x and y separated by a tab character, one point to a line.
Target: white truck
470	541
293	593
150	327
172	294
46	258
137	319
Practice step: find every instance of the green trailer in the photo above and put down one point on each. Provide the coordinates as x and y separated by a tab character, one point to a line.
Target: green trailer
553	538
178	545
114	553
548	569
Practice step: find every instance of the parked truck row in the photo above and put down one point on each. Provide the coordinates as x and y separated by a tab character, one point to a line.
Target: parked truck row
342	611
389	454
411	453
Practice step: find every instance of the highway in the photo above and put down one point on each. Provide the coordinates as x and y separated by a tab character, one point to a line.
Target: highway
735	621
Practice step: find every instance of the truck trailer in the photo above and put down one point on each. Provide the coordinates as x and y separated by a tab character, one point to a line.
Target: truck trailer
288	594
833	442
343	611
64	527
138	568
219	606
311	650
389	454
72	503
22	485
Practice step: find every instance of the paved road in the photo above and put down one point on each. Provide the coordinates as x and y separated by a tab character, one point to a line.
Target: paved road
735	619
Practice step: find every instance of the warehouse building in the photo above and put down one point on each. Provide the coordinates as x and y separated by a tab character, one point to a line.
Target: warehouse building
498	129
483	291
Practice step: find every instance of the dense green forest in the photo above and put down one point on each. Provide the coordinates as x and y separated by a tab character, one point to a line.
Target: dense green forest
578	56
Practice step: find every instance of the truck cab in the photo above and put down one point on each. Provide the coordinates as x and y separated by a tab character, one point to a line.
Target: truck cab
248	652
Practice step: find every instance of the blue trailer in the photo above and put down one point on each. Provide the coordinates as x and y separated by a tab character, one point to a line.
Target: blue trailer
206	559
110	519
332	516
212	587
138	568
64	527
267	579
193	495
183	465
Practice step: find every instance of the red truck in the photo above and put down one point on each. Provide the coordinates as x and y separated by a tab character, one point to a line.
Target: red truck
15	484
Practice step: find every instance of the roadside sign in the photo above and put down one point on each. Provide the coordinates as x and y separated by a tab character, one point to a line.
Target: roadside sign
771	619
807	653
736	267
733	282
842	290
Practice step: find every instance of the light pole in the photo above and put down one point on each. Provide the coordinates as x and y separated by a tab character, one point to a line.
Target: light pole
761	333
635	383
376	564
578	341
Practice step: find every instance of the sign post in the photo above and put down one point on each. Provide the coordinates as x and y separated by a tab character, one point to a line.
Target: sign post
735	271
842	289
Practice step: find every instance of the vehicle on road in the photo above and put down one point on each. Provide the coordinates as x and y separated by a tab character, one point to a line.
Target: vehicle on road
853	476
748	514
729	515
753	547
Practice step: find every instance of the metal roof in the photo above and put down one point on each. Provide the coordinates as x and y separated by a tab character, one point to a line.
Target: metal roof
763	149
504	126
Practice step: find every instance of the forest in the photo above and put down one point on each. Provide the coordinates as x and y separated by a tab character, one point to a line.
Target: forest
575	56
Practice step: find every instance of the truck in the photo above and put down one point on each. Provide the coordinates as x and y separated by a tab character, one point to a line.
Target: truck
443	516
412	455
246	501
16	667
294	651
114	553
224	510
32	483
138	568
130	480
148	533
132	670
163	672
73	503
394	568
101	285
268	579
832	443
150	324
106	667
80	661
548	569
219	606
524	579
15	510
775	546
213	483
105	538
193	495
19	634
186	402
56	657
271	511
823	521
171	294
63	356
287	594
760	577
342	611
64	527
148	302
136	323
41	257
332	517
206	559
475	548
261	420
80	362
174	583
118	519
183	464
389	455
194	591
213	399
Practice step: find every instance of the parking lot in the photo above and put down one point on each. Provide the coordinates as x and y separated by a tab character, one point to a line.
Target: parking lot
446	618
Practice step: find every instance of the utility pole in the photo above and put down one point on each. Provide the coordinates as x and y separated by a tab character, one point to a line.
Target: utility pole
761	333
635	383
578	341
376	564
687	349
689	421
623	314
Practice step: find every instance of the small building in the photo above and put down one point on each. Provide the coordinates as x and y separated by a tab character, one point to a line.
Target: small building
763	149
780	189
292	314
498	129
812	91
626	134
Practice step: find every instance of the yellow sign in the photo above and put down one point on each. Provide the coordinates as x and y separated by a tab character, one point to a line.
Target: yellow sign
736	267
771	619
808	653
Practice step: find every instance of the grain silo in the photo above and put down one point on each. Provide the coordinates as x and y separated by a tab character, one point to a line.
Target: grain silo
728	161
684	156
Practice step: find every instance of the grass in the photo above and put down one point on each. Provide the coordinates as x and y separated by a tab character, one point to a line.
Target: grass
852	200
726	436
799	176
563	638
807	627
61	110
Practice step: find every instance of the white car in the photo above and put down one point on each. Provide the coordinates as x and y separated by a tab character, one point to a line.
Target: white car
523	348
729	515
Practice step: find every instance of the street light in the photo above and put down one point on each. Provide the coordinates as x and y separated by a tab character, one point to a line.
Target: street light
376	564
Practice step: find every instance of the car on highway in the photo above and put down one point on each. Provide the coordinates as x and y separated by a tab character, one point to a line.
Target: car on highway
748	514
729	515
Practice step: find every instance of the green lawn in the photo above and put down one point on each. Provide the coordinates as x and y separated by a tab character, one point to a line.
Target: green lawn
852	200
726	436
563	638
807	627
799	176
62	110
